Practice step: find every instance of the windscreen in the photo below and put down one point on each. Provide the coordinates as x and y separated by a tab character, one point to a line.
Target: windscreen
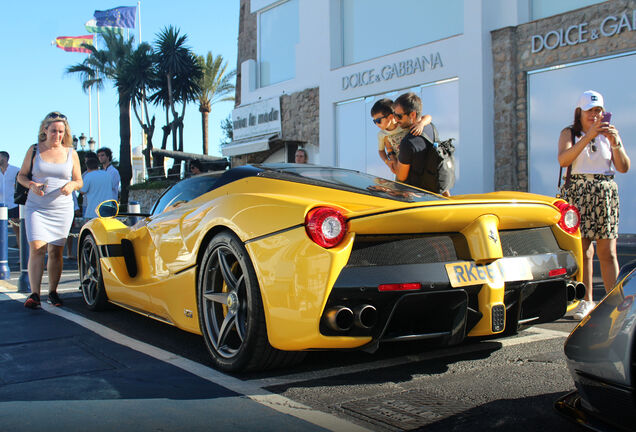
347	180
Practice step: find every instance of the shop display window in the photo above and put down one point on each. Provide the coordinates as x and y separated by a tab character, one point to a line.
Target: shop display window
277	40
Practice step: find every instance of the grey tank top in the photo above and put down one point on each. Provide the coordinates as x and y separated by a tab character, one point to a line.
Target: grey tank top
55	175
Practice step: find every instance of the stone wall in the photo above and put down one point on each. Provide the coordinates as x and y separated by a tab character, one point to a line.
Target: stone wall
145	197
300	124
513	57
246	43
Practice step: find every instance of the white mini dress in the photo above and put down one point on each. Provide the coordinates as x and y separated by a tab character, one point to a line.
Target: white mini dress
48	218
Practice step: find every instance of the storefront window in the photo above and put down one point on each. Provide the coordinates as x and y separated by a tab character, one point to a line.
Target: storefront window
553	94
546	8
373	28
356	134
278	37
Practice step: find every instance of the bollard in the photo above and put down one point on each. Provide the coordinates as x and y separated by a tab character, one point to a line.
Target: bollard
133	207
5	273
23	281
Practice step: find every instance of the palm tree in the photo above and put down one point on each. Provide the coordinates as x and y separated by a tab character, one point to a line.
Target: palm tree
179	73
107	64
137	77
216	86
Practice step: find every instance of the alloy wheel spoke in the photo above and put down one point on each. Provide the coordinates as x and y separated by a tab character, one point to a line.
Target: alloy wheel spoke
216	297
226	271
228	323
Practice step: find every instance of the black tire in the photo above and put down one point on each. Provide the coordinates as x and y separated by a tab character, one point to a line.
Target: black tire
90	273
230	308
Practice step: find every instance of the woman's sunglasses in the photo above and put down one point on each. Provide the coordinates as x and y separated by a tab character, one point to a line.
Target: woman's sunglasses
56	116
592	146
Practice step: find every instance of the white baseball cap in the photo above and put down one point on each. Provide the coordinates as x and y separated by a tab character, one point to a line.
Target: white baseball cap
590	99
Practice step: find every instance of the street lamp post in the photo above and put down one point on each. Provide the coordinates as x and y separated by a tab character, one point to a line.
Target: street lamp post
91	144
75	140
82	140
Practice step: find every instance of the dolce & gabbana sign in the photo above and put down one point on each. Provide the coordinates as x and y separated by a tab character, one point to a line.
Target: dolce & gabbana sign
581	33
392	70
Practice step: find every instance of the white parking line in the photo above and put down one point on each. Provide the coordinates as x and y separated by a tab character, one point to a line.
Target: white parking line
249	389
45	275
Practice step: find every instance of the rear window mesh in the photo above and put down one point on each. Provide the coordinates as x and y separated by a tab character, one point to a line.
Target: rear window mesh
370	251
400	250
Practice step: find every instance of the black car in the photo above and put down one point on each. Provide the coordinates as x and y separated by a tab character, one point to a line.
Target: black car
601	356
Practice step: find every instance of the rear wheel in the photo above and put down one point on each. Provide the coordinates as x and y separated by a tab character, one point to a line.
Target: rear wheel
231	313
90	273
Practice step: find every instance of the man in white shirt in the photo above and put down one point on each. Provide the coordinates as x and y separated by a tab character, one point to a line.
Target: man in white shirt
7	186
97	187
105	157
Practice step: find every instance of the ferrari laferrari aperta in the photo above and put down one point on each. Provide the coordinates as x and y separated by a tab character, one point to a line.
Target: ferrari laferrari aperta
601	354
268	261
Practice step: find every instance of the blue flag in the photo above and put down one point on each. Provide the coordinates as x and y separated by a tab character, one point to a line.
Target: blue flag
123	16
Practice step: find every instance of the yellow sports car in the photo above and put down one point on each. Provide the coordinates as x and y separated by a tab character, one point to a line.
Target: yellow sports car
267	261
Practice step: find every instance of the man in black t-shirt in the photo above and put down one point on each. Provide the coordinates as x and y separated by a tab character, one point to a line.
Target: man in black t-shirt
417	161
407	109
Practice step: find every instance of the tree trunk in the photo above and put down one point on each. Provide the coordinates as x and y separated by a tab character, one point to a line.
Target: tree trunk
204	126
125	166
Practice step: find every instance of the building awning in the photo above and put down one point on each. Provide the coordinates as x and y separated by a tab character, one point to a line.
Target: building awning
248	145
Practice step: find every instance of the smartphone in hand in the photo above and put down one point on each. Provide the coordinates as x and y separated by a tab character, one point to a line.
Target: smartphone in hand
607	117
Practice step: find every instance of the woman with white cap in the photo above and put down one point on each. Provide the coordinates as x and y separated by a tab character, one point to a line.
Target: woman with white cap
591	146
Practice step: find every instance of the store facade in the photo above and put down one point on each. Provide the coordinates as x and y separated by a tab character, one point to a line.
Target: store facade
477	65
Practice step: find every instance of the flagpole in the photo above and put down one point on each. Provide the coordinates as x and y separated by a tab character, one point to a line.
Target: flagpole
90	114
141	105
99	123
139	19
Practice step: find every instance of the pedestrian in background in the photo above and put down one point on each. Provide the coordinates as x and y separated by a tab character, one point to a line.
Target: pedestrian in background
196	167
8	174
97	187
592	145
105	157
49	206
300	157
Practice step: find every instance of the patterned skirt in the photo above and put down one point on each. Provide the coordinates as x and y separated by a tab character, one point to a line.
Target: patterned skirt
596	197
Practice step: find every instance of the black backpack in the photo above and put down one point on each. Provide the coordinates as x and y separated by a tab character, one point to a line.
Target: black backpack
439	167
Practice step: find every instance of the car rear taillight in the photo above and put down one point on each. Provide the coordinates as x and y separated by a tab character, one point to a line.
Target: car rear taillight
326	226
570	217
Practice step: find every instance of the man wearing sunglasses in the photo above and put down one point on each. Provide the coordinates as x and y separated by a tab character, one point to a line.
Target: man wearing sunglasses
391	134
407	110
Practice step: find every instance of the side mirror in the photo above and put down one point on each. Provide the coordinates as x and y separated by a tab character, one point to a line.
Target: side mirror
108	208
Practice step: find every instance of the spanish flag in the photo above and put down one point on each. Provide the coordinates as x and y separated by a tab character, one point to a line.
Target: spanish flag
74	43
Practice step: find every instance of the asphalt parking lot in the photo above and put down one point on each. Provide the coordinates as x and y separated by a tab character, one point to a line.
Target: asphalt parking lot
115	368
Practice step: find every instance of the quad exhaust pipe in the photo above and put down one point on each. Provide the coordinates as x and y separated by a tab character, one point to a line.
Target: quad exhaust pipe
365	316
339	318
342	318
576	291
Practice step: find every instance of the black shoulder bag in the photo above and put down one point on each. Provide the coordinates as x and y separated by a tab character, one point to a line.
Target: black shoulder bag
568	172
20	192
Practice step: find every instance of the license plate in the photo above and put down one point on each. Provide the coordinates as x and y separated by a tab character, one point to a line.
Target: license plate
466	273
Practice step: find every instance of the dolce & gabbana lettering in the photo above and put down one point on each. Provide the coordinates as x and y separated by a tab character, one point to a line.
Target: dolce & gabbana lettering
393	70
579	33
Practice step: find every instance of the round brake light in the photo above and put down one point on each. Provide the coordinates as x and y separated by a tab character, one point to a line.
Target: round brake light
570	217
326	226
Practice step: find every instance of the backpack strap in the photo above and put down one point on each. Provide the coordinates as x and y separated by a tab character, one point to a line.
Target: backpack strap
435	137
